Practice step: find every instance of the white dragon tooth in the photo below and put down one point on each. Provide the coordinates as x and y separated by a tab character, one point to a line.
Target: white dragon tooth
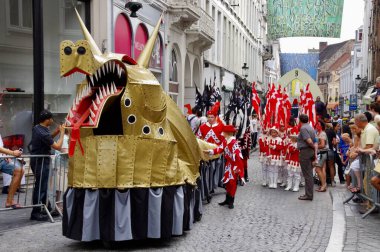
92	113
90	121
71	115
91	78
101	94
111	89
113	67
106	67
94	106
95	76
103	70
97	99
108	90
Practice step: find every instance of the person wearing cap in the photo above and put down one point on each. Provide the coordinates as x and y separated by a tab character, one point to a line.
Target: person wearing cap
294	168
234	164
14	168
211	132
275	146
42	142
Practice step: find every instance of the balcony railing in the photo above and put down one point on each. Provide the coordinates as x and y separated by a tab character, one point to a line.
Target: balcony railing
203	31
185	12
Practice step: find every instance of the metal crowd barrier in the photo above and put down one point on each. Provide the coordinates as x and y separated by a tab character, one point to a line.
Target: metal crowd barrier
51	184
367	191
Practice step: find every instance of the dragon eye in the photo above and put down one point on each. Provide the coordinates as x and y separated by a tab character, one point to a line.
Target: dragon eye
67	50
81	50
146	130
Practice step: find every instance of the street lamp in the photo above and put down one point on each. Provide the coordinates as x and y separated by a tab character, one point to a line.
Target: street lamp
357	83
245	70
133	7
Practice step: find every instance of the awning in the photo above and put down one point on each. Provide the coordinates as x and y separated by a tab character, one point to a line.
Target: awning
228	81
332	105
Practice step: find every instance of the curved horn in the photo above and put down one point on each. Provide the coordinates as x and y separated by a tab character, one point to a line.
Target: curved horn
144	57
94	48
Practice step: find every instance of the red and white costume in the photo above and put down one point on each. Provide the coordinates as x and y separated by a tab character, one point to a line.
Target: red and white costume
234	164
274	160
211	133
276	145
294	168
282	171
245	147
263	157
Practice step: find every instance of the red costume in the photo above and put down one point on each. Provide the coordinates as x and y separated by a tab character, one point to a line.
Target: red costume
264	149
294	161
211	133
245	144
234	164
276	146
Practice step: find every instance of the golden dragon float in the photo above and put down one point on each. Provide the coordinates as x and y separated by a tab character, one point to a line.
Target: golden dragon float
134	161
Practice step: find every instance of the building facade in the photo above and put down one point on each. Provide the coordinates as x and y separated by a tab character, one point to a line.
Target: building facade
201	42
331	59
240	49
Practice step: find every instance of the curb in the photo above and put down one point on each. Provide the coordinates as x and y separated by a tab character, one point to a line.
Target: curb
338	230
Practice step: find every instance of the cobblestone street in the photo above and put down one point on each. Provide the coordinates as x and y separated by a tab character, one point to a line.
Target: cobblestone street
263	220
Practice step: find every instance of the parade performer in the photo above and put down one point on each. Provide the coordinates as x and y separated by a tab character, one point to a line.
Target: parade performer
133	158
211	132
275	145
294	168
245	147
263	156
282	169
234	164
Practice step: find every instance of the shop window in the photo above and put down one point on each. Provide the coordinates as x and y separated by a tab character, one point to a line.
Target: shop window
141	38
123	35
173	71
69	20
20	15
156	58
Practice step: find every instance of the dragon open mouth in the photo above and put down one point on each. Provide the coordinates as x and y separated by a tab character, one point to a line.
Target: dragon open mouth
105	84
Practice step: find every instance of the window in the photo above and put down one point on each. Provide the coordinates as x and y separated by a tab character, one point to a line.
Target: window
68	18
20	14
173	72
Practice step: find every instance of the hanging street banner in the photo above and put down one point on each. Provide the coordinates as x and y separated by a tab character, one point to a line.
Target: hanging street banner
304	18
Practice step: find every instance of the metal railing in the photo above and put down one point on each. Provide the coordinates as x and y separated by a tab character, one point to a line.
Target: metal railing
48	185
367	191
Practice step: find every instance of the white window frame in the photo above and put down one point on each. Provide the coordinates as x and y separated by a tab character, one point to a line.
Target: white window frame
19	28
62	12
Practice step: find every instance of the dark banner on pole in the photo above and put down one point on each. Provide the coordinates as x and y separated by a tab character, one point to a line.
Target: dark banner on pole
304	18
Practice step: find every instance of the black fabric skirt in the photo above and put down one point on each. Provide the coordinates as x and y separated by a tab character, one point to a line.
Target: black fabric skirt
132	214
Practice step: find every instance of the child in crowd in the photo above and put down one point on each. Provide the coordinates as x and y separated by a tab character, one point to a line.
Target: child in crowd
275	145
234	164
282	169
263	156
294	168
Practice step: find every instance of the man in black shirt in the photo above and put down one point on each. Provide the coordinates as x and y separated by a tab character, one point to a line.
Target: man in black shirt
42	142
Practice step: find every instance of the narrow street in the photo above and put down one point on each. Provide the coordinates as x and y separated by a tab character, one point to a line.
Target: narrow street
263	220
